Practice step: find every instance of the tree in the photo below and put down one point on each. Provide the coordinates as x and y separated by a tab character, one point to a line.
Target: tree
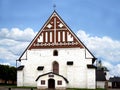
12	74
8	73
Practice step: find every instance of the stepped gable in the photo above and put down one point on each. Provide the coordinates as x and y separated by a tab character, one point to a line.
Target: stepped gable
55	34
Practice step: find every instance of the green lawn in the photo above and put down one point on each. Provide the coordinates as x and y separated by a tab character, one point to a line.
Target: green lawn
23	87
84	89
14	86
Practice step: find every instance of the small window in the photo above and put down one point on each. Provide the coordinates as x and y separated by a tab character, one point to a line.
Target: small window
40	68
55	53
105	73
42	82
59	82
69	62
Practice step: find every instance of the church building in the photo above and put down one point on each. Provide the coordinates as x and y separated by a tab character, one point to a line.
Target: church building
56	58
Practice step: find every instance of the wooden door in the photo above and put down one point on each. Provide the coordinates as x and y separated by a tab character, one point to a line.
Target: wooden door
51	83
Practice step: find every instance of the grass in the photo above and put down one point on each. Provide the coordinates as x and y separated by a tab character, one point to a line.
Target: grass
66	89
84	89
25	87
14	86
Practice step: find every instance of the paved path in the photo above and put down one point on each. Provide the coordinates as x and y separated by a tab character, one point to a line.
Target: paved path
3	88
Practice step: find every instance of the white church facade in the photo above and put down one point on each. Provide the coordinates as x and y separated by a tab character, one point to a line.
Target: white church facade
56	58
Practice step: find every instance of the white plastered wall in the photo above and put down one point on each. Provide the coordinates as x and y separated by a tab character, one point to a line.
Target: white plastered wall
20	78
91	78
46	78
100	84
76	73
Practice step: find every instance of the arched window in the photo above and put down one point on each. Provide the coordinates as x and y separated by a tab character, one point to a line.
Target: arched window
55	67
55	53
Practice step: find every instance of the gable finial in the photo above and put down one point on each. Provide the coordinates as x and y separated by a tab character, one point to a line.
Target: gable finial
54	6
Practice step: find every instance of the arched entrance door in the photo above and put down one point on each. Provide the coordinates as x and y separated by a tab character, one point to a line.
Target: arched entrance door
51	83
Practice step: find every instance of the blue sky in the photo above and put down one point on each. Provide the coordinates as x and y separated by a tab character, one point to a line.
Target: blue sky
96	23
98	17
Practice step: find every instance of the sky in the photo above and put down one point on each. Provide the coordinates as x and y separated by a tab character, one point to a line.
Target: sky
95	22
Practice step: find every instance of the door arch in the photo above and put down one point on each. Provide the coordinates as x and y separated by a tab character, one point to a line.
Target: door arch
55	67
51	83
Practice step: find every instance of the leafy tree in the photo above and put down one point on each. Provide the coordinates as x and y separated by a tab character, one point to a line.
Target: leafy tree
8	73
12	74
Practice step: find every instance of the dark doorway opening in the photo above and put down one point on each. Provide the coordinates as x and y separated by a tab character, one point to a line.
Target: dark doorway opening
51	83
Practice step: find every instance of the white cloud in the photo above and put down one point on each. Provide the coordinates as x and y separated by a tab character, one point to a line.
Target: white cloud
13	42
5	64
7	54
104	48
17	34
8	42
114	69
